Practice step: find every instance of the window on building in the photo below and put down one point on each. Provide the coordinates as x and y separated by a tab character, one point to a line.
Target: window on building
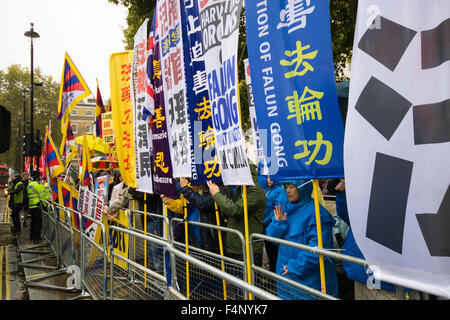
74	128
89	129
89	112
74	112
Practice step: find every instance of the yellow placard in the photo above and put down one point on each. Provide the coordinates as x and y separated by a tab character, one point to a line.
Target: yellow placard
120	240
107	128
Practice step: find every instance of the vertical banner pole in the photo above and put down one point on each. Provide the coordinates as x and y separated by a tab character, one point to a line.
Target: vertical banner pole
247	239
186	239
219	232
134	238
145	233
319	233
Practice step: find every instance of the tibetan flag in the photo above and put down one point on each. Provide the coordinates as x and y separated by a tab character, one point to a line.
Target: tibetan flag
53	160
73	89
55	189
63	196
100	108
85	164
74	206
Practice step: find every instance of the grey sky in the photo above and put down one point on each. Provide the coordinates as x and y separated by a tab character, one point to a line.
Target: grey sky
88	30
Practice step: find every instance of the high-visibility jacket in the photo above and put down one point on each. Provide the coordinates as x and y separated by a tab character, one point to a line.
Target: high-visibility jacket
47	193
18	193
36	194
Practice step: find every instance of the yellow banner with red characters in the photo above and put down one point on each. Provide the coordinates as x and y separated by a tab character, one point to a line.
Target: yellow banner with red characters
122	114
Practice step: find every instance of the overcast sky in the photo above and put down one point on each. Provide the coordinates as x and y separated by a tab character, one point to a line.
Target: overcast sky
88	30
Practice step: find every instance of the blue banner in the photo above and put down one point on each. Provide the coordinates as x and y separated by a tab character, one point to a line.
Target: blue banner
205	163
291	63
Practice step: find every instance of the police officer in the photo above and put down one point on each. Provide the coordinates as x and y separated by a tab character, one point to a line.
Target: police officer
36	197
48	192
16	192
25	178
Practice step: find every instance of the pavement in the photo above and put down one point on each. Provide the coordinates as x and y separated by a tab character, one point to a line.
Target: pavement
28	271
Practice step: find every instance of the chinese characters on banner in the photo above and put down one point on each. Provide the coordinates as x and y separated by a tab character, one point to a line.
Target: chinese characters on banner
397	142
173	74
162	164
107	128
139	97
220	30
120	74
291	63
204	157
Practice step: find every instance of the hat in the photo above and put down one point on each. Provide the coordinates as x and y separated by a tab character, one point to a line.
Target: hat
35	174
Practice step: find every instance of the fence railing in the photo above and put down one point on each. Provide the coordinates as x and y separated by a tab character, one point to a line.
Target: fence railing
157	264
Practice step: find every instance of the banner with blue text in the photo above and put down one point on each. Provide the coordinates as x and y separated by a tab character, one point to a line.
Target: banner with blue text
220	30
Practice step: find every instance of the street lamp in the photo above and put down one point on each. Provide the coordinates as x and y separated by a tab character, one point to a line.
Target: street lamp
31	34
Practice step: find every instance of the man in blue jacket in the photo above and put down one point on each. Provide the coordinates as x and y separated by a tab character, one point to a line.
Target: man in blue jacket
296	222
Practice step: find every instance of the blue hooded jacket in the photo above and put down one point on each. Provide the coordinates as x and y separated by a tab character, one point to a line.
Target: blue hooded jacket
275	195
300	227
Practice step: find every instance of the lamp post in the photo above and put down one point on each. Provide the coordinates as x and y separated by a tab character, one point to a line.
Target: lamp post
31	34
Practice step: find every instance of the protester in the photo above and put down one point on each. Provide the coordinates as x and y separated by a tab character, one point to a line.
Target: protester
233	210
296	222
204	202
275	195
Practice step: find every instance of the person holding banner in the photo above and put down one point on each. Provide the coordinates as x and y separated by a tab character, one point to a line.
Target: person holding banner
233	210
204	202
296	222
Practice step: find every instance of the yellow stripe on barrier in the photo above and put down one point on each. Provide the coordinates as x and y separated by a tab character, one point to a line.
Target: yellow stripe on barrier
145	233
186	239
221	251
247	240
8	287
319	234
1	273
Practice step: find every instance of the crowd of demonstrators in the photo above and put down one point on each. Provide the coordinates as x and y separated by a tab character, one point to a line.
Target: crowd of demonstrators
281	209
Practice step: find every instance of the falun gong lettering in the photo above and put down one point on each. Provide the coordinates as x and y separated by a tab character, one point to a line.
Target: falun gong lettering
204	158
291	65
220	31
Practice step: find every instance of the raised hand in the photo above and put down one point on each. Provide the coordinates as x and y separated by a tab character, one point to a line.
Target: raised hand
278	213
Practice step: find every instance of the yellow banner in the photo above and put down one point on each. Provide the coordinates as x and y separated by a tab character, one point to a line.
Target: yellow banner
122	112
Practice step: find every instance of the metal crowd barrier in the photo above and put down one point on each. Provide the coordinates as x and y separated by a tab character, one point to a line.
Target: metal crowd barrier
282	286
171	292
200	283
158	267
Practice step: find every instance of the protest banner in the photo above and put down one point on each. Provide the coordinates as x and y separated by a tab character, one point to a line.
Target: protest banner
119	75
292	72
220	43
397	142
139	97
